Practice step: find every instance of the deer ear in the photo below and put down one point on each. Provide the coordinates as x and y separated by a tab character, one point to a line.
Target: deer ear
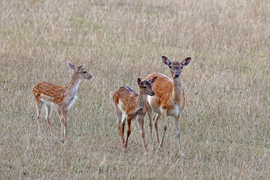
139	81
79	68
71	65
166	60
153	79
186	61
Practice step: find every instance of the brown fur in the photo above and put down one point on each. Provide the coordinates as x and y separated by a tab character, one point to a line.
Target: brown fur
169	99
60	97
129	105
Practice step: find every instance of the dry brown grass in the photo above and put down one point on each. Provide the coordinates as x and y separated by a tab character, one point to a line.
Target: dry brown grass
225	125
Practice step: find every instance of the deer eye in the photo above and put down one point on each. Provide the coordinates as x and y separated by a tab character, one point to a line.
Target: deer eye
84	71
181	67
170	66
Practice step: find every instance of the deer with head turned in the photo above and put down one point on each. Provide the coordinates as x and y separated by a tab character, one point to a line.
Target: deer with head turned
169	99
61	97
129	105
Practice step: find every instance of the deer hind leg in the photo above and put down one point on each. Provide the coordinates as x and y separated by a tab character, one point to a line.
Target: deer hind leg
120	124
141	122
128	131
49	112
177	126
119	118
122	131
156	117
39	105
165	125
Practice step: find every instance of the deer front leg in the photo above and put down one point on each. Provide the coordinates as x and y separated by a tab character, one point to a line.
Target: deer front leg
177	126
165	125
141	122
156	117
149	113
65	124
62	119
128	131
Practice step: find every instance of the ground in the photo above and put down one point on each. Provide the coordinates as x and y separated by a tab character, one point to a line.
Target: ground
225	123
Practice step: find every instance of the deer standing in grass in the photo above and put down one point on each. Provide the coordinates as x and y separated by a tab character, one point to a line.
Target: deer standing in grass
169	99
61	97
129	105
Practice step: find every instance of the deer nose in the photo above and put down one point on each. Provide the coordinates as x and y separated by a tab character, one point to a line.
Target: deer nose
153	93
177	75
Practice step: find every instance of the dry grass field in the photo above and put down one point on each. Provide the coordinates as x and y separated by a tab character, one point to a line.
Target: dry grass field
225	127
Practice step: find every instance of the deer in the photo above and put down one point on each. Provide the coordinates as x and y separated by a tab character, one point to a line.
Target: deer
60	97
169	99
129	106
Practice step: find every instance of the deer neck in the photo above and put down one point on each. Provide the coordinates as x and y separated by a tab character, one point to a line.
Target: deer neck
73	85
140	103
177	90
